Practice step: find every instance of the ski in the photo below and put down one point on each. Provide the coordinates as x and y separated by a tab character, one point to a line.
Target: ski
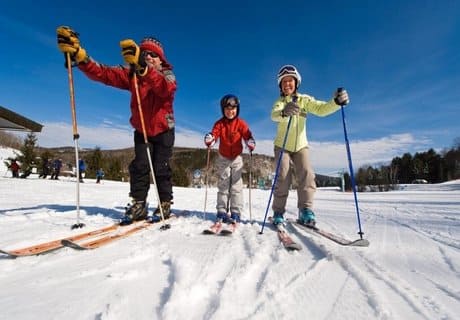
220	228
285	238
229	230
331	236
214	229
49	246
52	245
120	233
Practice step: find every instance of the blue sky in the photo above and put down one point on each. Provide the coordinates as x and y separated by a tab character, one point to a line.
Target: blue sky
397	59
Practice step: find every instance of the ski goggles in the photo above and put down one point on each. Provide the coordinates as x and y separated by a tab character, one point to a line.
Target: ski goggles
150	53
288	69
231	103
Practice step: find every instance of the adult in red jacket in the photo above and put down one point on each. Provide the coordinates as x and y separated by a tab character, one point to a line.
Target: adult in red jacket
156	85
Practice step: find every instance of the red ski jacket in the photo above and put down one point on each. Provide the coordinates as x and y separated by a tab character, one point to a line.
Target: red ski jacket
156	91
230	133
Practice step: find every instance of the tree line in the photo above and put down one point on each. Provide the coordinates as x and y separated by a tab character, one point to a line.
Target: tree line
430	166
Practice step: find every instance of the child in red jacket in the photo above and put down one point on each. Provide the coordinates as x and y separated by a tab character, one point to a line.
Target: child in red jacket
230	130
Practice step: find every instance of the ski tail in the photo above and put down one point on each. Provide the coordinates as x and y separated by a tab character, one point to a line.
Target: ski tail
332	236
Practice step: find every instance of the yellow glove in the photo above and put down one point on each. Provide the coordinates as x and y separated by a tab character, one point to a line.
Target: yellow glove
68	42
130	52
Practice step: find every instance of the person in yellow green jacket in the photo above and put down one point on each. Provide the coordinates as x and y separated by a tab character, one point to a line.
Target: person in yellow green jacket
290	111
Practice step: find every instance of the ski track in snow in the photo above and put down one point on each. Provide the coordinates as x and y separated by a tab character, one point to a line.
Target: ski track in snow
409	271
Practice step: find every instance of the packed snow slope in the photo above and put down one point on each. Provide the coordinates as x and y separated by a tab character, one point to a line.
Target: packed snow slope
411	270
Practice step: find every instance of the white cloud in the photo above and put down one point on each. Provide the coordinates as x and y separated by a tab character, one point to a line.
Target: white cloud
333	155
105	137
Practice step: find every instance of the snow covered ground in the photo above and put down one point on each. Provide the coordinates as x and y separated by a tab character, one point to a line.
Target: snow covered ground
411	270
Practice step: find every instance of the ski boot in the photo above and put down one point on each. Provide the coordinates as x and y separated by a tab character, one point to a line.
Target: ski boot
166	207
307	217
278	218
135	211
222	217
234	218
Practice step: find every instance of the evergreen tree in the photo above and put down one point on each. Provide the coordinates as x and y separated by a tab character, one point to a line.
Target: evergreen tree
114	169
28	154
94	160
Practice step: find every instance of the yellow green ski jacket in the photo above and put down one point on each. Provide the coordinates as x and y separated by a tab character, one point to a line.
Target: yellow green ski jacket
297	135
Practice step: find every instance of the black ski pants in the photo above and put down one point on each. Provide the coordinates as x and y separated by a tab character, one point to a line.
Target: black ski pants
161	147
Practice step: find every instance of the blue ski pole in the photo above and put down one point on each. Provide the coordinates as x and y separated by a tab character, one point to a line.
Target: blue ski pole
350	165
275	179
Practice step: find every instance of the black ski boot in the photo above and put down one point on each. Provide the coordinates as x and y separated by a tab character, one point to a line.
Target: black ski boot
166	206
135	211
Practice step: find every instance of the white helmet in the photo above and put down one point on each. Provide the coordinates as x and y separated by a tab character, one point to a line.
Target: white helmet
289	70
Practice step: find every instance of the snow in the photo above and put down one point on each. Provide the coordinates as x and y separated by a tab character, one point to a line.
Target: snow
411	270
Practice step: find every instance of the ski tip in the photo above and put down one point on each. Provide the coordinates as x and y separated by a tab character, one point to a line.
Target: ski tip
294	247
8	254
226	232
360	243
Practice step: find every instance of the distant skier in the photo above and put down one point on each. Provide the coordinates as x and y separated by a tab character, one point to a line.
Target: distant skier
14	167
81	169
230	130
292	108
99	175
45	169
57	165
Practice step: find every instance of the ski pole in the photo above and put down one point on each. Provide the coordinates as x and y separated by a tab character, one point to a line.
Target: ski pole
206	182
75	138
350	165
275	179
250	187
229	195
144	132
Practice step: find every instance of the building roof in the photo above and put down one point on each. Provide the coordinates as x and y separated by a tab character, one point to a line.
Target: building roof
10	120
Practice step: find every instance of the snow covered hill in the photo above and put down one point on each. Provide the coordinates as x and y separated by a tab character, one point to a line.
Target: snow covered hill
411	270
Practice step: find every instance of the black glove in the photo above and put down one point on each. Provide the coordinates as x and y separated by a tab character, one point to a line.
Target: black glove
291	109
341	97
